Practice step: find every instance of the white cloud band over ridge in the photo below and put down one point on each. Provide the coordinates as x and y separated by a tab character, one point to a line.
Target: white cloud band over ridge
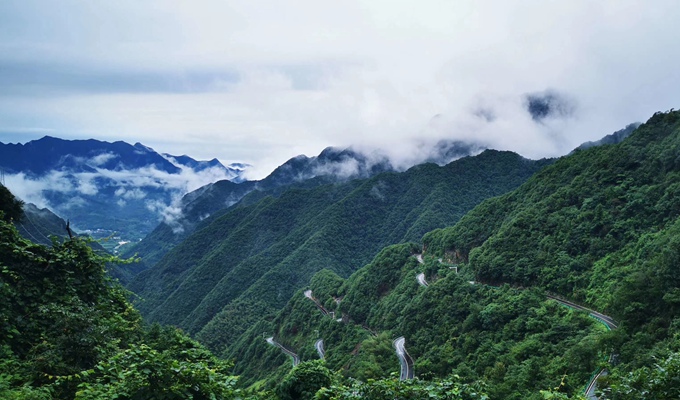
262	81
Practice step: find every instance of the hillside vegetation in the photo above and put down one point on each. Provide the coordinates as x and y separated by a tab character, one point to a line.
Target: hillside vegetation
516	341
67	331
599	227
340	262
247	263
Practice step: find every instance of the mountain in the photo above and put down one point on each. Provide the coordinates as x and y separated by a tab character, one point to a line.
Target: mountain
599	227
516	341
344	164
39	157
117	189
39	224
502	294
199	207
106	188
614	138
234	171
332	165
249	261
533	294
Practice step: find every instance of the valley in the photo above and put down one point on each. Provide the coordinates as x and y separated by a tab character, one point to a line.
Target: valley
480	276
314	200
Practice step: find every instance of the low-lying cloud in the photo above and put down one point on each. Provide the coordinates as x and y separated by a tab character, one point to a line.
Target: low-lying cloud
264	81
121	186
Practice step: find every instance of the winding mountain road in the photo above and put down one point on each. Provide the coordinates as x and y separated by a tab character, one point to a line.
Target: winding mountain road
319	348
310	296
293	356
405	359
605	319
421	276
608	322
421	279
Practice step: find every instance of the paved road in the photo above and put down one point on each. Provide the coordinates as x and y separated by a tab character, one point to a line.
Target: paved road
405	359
421	279
308	294
590	390
319	348
608	322
293	356
605	319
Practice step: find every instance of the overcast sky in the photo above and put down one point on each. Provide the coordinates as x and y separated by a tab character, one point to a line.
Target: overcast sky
262	81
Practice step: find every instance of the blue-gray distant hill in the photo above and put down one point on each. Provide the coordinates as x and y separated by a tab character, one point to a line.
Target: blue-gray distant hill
105	188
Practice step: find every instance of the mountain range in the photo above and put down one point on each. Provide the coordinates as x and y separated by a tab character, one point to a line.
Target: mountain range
520	279
105	188
246	262
499	296
117	189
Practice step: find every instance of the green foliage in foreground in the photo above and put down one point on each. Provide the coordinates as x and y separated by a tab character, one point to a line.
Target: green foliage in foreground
10	205
304	381
68	332
661	380
312	380
449	388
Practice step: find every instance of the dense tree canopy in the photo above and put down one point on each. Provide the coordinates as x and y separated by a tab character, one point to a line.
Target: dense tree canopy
68	331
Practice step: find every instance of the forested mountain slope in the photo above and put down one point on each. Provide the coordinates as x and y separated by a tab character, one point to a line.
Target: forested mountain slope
199	208
516	341
249	262
599	227
582	224
67	330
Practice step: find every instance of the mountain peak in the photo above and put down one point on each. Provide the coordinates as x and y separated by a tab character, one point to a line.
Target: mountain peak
144	148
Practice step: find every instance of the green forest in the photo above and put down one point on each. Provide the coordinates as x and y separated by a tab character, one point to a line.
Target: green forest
495	316
248	262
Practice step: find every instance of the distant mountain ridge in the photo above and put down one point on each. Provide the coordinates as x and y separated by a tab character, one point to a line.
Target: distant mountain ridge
614	138
106	187
41	156
332	165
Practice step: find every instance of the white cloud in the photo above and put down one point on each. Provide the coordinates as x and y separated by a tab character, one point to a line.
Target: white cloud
86	184
262	81
344	169
170	214
129	184
134	193
72	202
101	159
31	190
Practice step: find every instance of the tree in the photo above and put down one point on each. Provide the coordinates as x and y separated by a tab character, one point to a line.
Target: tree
10	205
304	381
